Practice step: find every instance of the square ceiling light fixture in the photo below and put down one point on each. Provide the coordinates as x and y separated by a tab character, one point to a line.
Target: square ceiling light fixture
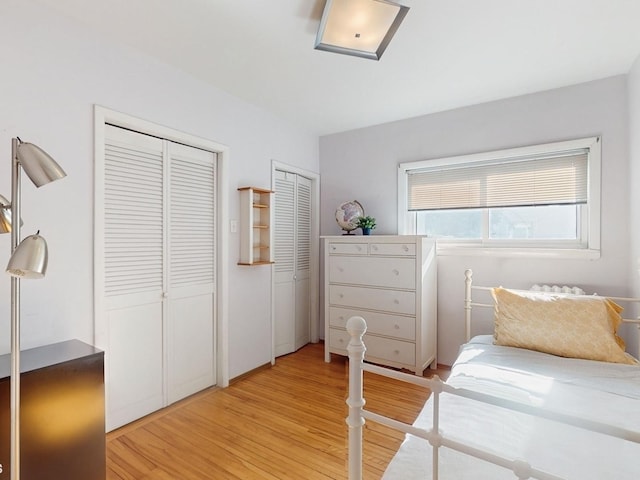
362	28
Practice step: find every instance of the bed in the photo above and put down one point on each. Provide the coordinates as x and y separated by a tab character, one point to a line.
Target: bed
510	411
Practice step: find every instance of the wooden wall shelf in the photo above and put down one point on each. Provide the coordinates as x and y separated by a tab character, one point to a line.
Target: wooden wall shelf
256	220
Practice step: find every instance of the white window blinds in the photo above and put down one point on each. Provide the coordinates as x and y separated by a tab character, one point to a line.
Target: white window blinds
553	179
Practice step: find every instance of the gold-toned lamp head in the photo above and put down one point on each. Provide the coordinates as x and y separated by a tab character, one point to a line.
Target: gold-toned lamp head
5	215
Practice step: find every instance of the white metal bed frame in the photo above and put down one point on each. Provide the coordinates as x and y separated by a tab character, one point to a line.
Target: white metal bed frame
356	326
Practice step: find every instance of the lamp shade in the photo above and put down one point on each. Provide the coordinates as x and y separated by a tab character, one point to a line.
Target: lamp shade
29	259
38	165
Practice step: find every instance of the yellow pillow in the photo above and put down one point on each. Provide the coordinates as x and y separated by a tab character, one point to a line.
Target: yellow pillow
568	326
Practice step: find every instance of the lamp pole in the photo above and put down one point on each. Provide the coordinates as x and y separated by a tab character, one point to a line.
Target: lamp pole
28	259
15	316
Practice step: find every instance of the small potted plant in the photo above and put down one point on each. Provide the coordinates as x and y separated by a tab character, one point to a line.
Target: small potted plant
366	224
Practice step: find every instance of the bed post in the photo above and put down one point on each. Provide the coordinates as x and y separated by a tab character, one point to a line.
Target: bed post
468	274
356	326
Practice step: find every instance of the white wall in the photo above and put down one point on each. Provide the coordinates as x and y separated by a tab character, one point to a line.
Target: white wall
54	71
634	181
362	165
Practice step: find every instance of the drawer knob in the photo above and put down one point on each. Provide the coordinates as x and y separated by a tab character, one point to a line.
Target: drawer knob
396	326
333	247
341	317
397	352
358	248
341	295
396	272
374	248
340	269
340	340
396	301
405	248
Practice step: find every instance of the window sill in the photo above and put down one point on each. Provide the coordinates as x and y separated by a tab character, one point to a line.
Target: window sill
515	252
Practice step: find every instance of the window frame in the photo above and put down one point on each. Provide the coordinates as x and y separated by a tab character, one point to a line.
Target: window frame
587	246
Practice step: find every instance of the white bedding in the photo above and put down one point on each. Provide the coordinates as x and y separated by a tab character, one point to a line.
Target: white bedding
604	392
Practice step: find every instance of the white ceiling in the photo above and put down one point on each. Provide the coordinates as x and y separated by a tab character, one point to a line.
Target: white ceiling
446	54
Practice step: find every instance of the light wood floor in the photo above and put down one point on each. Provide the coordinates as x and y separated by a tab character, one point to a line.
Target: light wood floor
283	422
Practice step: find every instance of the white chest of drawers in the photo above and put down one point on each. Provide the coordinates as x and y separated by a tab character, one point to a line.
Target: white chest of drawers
391	282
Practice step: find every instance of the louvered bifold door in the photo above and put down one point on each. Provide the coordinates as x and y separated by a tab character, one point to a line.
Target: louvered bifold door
133	274
302	262
191	276
292	262
284	267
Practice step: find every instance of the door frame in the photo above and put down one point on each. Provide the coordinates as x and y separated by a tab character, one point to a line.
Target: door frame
102	116
314	264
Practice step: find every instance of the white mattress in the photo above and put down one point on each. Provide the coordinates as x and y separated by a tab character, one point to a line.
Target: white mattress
599	391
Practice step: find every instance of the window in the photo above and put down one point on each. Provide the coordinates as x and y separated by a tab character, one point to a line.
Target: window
536	199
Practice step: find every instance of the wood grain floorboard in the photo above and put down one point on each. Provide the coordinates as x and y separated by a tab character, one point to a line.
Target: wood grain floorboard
283	422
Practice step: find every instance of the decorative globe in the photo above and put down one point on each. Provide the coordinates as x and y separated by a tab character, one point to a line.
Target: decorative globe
347	215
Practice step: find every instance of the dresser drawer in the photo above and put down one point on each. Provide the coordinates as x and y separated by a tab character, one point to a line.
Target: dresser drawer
377	272
373	298
377	347
391	350
402	249
338	340
379	323
348	248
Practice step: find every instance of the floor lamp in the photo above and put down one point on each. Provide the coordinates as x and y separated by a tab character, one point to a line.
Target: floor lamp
28	260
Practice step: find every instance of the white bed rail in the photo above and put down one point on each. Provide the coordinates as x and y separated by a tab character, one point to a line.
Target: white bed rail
356	326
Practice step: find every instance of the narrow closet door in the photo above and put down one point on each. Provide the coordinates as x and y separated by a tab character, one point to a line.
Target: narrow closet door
302	277
284	267
190	325
292	262
133	269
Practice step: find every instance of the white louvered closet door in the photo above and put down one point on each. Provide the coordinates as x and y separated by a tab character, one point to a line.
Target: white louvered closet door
190	338
284	267
303	262
159	252
292	238
134	275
